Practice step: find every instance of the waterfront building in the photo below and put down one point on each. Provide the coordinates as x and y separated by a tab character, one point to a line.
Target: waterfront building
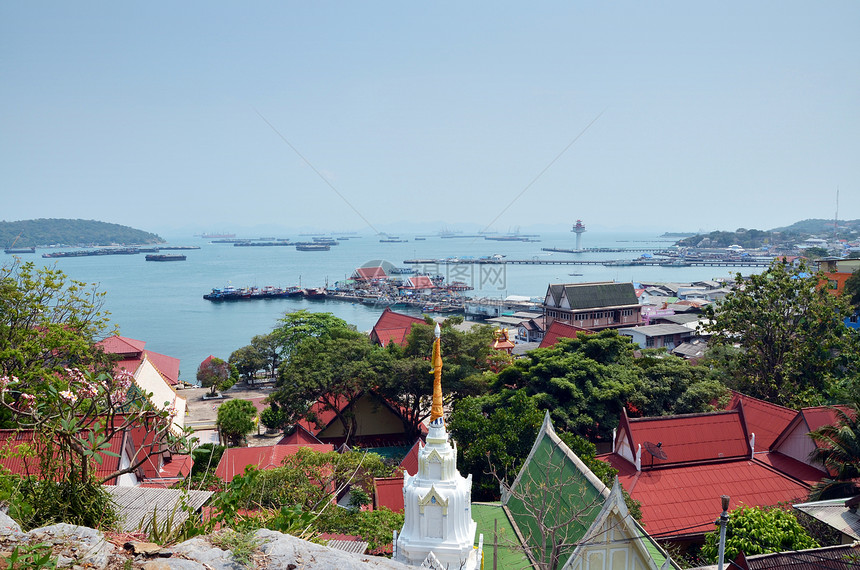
593	306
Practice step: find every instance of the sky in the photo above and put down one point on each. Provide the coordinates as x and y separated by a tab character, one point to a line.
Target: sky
390	116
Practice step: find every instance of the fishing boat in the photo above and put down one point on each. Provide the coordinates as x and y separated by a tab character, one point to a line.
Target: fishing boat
315	293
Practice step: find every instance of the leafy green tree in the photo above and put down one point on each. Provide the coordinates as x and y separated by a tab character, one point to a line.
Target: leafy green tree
671	384
247	361
296	327
331	369
266	345
48	323
214	373
852	289
816	252
758	530
793	344
235	420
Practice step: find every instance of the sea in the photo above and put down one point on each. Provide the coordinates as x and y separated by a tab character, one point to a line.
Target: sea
162	303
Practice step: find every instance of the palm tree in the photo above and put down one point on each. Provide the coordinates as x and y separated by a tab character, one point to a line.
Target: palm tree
838	448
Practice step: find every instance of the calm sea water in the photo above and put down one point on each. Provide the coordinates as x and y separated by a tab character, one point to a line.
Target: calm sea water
162	303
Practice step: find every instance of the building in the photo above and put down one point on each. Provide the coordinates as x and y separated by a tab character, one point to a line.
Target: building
588	524
592	306
666	336
438	531
153	373
678	466
558	330
393	327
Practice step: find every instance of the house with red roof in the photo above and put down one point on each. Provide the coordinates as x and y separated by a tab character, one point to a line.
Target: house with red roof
419	285
393	327
129	445
558	330
678	466
153	373
378	422
794	441
235	460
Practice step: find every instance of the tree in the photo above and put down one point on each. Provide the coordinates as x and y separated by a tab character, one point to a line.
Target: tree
235	420
852	289
296	327
214	373
334	370
48	323
838	449
793	343
247	361
266	345
758	530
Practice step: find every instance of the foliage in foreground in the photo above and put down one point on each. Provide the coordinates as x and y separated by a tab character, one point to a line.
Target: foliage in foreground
758	530
793	346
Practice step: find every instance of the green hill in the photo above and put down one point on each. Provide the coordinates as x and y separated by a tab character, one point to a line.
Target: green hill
26	233
819	226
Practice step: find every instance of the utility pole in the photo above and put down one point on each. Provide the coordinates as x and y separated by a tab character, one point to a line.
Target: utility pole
723	521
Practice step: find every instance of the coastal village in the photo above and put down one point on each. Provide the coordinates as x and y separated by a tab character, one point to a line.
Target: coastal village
675	468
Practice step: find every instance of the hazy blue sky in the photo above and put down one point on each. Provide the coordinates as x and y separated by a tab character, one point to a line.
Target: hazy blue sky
711	115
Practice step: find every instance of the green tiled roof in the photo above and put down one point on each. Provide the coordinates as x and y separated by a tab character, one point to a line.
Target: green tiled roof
600	295
554	485
550	482
510	553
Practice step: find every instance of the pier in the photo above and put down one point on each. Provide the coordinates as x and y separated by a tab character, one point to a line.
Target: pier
604	250
607	262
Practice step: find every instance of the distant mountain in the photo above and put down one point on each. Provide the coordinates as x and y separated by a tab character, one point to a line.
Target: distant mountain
796	232
51	231
819	226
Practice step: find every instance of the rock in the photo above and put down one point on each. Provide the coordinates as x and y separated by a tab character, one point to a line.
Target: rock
146	548
8	526
173	564
284	550
211	556
92	548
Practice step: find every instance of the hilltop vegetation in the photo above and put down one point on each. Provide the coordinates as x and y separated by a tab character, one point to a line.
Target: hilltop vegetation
787	235
50	231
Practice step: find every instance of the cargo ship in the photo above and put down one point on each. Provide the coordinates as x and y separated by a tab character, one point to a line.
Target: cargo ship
165	257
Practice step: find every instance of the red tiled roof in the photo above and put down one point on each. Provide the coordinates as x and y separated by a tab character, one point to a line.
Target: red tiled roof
764	419
132	353
685	500
121	345
691	437
820	416
421	282
393	327
235	459
388	492
791	467
300	436
557	330
11	440
370	273
410	462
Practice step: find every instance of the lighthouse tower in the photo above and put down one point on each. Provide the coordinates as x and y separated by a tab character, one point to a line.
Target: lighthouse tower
578	229
438	530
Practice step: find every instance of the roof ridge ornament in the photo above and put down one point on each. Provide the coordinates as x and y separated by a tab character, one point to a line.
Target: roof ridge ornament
436	412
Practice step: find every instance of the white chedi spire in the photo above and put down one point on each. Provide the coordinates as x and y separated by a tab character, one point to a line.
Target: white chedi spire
438	530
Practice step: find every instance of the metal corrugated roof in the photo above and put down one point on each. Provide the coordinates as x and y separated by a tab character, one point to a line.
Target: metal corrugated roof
597	295
835	514
136	505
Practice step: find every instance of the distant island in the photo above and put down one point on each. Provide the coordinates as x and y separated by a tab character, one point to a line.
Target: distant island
59	231
796	232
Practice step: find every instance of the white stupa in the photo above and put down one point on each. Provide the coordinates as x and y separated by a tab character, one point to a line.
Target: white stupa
438	531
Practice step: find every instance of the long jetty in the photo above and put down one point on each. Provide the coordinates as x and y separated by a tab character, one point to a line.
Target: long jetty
604	249
607	262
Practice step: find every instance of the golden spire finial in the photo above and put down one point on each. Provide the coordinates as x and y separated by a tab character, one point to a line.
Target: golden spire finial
436	409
